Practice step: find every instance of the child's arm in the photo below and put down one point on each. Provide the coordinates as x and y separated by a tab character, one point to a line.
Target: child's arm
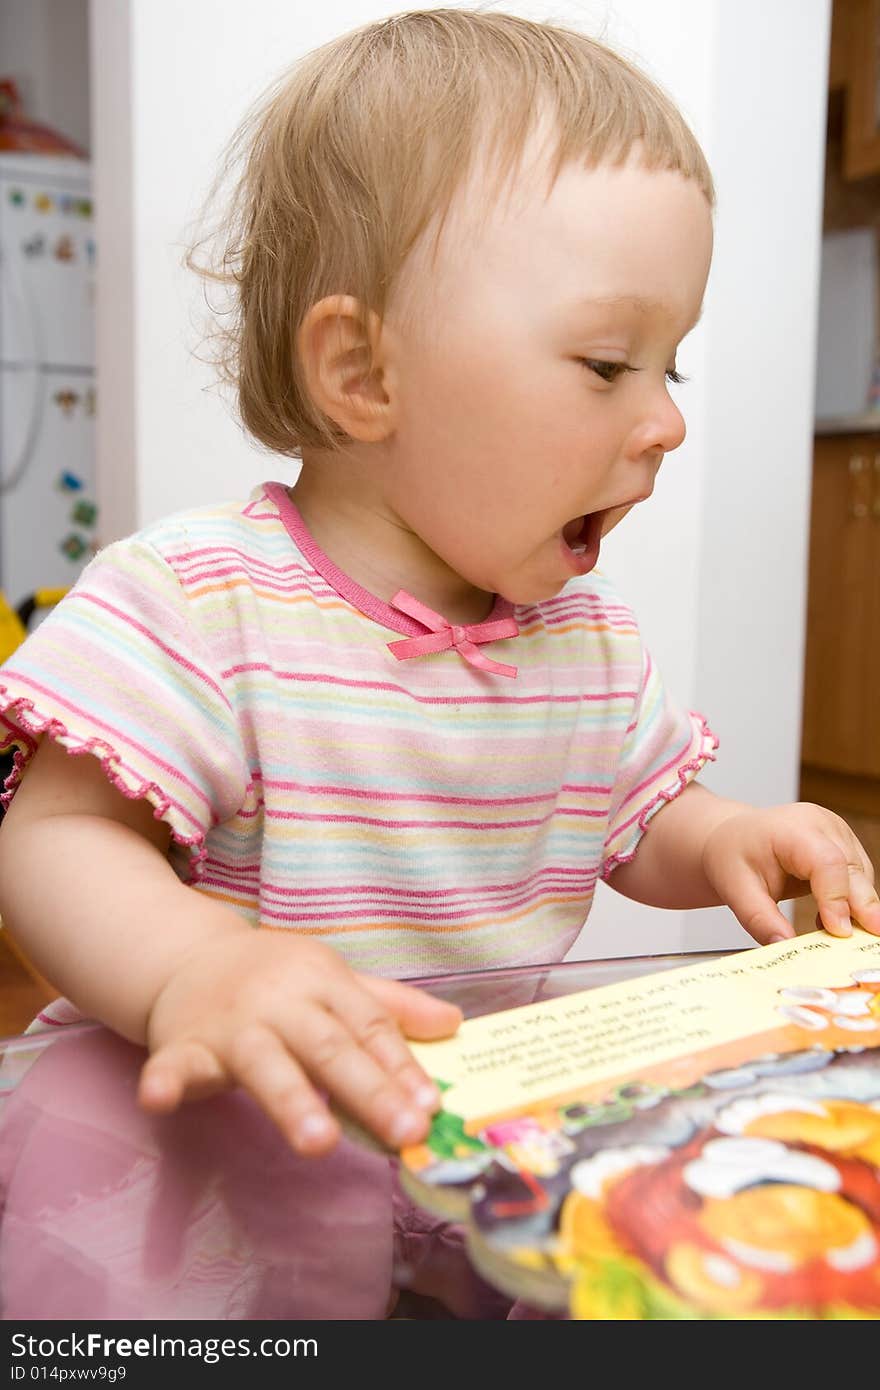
86	888
701	850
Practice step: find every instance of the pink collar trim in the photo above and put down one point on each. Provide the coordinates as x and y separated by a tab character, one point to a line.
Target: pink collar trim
353	593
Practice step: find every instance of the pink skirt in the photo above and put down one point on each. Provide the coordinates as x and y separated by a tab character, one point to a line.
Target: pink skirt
110	1213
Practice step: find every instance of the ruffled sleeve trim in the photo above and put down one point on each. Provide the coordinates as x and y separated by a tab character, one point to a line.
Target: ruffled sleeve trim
22	726
680	777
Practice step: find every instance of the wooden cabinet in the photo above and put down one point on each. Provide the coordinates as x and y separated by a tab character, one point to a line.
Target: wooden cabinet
855	67
841	731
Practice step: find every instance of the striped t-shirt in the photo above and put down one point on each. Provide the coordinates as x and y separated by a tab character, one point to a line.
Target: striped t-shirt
419	815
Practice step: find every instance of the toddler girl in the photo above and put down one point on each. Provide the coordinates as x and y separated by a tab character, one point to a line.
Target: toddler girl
279	756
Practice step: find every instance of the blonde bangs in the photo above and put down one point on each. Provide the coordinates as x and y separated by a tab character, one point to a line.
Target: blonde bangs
363	145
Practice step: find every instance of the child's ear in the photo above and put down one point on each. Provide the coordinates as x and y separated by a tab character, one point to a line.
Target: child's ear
334	342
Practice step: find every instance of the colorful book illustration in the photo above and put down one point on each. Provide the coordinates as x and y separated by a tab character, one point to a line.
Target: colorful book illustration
701	1143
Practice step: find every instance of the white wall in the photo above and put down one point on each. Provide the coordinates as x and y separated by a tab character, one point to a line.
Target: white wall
716	565
728	526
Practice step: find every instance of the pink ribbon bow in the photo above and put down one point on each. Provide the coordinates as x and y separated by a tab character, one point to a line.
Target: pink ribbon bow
443	635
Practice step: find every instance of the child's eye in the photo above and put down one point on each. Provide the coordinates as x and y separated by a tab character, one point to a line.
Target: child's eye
610	371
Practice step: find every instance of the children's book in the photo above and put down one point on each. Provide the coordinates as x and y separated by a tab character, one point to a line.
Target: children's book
698	1143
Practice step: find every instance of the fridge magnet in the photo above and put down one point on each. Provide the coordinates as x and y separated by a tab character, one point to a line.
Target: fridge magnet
90	251
89	401
67	400
69	482
64	249
34	246
73	546
84	513
43	203
16	197
85	207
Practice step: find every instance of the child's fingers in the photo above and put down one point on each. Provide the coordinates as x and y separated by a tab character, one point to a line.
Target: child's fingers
269	1068
748	897
831	878
864	902
758	913
352	1049
420	1015
840	878
384	1008
187	1070
812	855
262	1064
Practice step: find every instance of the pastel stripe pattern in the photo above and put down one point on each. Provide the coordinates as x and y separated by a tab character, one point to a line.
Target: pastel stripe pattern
421	817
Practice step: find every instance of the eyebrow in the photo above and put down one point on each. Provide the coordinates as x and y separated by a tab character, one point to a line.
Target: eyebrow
645	304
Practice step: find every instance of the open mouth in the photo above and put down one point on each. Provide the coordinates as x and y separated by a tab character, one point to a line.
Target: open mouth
581	538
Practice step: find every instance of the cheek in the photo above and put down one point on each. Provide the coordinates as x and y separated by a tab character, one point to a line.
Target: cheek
475	398
463	410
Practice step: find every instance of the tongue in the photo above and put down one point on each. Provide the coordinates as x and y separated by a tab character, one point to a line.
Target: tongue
574	530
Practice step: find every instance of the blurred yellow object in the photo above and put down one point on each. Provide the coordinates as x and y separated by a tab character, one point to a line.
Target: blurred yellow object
14	621
12	629
47	598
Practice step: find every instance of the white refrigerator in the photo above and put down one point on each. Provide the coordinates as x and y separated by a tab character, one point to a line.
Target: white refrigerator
48	512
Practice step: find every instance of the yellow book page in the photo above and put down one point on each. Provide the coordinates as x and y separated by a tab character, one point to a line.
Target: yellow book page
543	1054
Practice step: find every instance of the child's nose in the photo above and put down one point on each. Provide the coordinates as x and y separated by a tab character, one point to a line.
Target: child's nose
665	428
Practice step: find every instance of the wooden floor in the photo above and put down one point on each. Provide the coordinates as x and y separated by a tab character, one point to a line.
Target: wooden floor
23	993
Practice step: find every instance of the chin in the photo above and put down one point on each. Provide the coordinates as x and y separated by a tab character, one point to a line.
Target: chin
527	594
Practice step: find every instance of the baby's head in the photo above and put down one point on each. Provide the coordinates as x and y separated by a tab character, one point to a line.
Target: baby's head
470	243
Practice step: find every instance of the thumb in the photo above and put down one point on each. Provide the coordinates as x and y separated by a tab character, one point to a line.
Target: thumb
420	1016
186	1070
759	913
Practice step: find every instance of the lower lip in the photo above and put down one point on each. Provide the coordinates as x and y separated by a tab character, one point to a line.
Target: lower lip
582	563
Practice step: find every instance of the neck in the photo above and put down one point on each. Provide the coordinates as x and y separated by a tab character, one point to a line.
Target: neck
350	520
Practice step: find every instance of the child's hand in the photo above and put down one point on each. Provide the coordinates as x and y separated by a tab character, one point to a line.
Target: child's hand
757	858
285	1017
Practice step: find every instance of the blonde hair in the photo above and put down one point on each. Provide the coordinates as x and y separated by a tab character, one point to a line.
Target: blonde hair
364	143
